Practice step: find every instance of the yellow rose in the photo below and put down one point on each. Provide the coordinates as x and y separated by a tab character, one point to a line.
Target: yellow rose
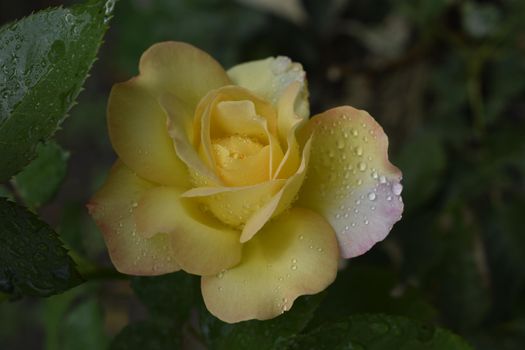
222	174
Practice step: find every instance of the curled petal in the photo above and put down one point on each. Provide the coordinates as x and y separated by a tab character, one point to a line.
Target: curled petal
233	131
279	202
180	129
182	70
235	205
201	244
296	254
350	180
269	78
138	132
112	208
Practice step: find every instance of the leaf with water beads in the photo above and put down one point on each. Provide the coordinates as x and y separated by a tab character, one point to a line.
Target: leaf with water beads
32	259
44	60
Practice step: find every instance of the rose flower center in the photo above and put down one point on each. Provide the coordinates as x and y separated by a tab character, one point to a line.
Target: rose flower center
241	145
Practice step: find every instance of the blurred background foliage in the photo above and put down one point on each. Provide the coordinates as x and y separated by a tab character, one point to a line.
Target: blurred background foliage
445	79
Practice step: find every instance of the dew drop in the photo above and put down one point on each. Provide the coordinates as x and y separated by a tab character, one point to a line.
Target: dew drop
397	188
340	144
362	166
372	196
358	151
382	179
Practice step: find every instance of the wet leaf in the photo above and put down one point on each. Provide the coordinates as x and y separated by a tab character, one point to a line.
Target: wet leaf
32	259
44	60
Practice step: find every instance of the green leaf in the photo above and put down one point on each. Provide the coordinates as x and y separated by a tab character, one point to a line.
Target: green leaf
171	295
371	289
257	335
44	60
40	180
147	335
32	258
379	332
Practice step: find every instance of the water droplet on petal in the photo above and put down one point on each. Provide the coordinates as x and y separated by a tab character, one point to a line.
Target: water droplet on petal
372	196
397	188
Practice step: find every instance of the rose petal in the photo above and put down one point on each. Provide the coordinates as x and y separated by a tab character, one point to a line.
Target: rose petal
350	180
182	70
138	132
280	202
226	112
270	77
289	122
294	255
180	129
112	207
201	244
235	205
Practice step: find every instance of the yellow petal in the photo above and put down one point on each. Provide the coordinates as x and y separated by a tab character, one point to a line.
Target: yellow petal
180	128
235	205
294	255
138	132
182	70
233	132
269	78
350	180
280	202
201	244
112	209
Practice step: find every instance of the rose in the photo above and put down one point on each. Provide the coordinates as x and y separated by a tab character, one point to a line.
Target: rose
222	174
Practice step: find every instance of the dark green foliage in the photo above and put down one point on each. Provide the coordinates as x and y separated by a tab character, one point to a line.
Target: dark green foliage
171	296
379	332
446	81
147	335
39	181
32	259
260	335
44	60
